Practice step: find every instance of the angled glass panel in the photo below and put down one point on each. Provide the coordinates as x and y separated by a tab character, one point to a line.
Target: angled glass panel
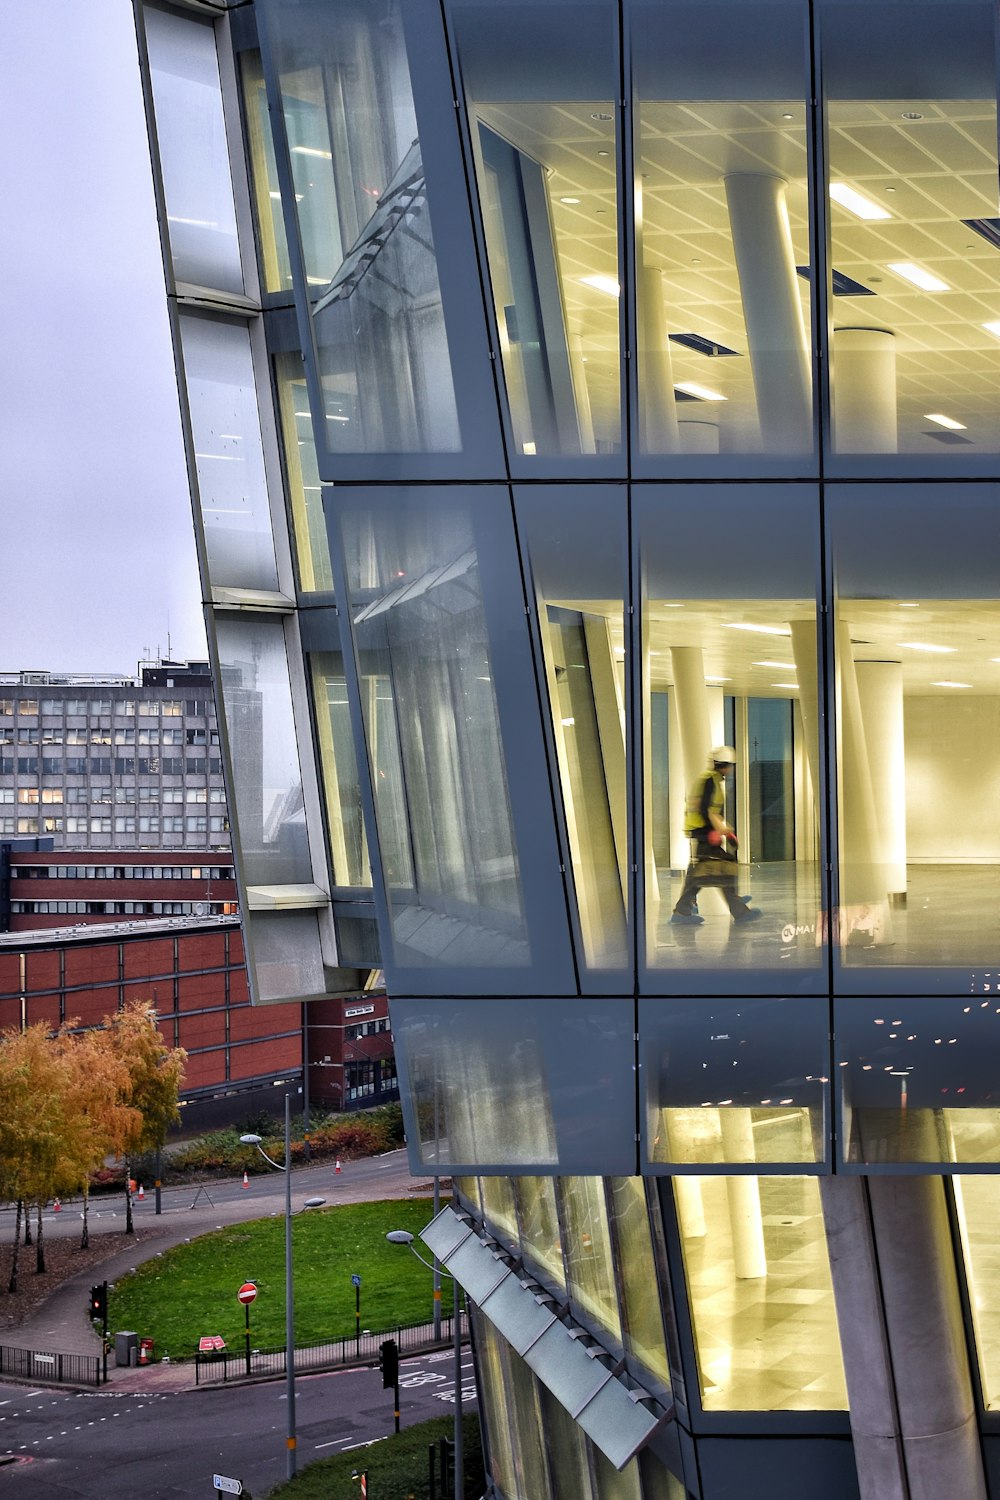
276	272
338	768
977	1206
541	1236
735	1082
542	120
732	871
508	1085
267	780
911	124
492	1386
760	1294
193	150
576	544
499	1208
567	1450
918	725
918	1079
229	454
587	1249
305	493
285	954
374	187
638	1284
722	236
466	825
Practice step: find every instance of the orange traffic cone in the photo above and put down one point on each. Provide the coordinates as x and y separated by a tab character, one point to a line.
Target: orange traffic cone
142	1192
57	1207
246	1180
337	1167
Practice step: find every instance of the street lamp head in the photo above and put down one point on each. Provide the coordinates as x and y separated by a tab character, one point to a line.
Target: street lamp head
251	1140
399	1237
314	1203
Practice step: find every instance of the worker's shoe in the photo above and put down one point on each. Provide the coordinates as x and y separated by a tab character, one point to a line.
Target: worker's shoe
687	918
749	914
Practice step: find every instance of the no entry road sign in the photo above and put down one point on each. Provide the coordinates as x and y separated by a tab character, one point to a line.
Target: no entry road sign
247	1293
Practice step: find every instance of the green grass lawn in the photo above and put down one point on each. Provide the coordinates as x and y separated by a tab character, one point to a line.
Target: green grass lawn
190	1291
397	1467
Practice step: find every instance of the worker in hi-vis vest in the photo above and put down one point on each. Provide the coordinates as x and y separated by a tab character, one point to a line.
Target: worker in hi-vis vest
713	843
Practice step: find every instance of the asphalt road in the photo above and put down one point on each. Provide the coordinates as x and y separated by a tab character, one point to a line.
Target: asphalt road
80	1446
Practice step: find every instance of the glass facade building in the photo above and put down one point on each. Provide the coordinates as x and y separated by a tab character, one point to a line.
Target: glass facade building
569	390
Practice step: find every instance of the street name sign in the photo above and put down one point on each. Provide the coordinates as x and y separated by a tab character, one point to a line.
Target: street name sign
228	1486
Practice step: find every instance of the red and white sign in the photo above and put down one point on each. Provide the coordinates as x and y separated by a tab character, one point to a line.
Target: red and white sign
247	1293
211	1341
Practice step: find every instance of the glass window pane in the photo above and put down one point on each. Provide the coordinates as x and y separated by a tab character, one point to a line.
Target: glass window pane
492	1387
287	959
576	547
977	1203
640	1293
912	148
541	1237
729	665
365	225
587	1249
544	142
266	774
918	637
499	1209
761	1299
722	231
339	770
276	271
193	151
225	422
567	1448
305	495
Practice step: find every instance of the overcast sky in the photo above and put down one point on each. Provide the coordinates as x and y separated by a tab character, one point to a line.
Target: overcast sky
97	556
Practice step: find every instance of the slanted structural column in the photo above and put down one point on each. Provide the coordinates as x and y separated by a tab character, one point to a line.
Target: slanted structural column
913	1414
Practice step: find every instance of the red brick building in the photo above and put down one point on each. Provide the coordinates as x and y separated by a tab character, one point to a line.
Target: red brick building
56	888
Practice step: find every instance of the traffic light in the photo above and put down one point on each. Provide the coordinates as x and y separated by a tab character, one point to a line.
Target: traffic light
388	1359
99	1301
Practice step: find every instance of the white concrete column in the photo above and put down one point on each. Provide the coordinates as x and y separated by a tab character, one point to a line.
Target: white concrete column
743	1195
680	852
863	895
693	715
772	310
697	436
864	391
657	405
690	1207
581	392
880	692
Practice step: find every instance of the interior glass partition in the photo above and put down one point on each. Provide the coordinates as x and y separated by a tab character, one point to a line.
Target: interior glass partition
272	242
760	1294
305	493
977	1204
911	126
542	117
722	235
918	685
729	577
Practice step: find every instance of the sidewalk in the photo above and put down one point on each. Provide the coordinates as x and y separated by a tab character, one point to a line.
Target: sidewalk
61	1324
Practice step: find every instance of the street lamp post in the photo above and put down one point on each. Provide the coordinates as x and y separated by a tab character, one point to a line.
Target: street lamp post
255	1140
404	1237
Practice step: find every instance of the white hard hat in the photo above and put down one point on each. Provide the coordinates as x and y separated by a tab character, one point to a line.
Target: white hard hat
723	755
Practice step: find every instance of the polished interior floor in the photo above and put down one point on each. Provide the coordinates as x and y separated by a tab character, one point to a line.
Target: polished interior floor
951	919
769	1343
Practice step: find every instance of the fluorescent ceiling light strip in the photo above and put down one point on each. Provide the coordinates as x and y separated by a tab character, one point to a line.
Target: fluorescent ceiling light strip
761	629
923	646
917	276
993	328
312	151
952	684
856	203
793	686
606	284
699	392
943	421
781	665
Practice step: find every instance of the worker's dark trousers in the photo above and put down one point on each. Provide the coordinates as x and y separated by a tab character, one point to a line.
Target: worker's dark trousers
711	865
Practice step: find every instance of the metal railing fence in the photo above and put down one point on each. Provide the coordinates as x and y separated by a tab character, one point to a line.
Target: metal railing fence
231	1364
50	1367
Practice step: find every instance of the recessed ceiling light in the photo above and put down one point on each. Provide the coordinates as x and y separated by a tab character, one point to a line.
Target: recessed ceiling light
856	203
715	681
793	685
993	328
606	284
699	392
781	664
598	114
761	629
923	646
952	684
943	421
569	200
787	117
907	604
917	276
604	153
910	114
529	449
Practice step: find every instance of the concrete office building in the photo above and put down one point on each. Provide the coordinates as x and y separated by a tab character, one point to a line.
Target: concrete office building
571	388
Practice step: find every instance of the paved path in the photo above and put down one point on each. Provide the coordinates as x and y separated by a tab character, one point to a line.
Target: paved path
61	1325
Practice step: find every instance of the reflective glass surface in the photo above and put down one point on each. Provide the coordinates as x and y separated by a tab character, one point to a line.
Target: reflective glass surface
365	226
575	539
286	957
499	1209
541	1236
492	1395
305	494
918	722
193	150
339	770
638	1283
911	127
587	1248
542	122
731	1082
760	1295
722	232
276	273
225	423
977	1204
262	738
729	663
